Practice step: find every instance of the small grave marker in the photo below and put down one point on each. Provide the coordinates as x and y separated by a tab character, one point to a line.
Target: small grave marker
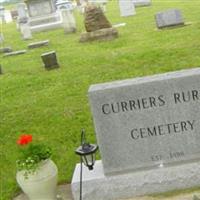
50	60
38	44
14	53
6	50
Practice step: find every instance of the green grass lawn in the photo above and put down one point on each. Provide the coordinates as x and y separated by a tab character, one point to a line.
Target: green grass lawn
53	105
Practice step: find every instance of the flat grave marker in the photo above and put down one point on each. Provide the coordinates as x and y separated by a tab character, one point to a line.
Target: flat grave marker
139	3
14	53
38	44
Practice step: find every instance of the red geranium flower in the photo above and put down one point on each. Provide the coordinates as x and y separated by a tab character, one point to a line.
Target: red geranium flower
24	139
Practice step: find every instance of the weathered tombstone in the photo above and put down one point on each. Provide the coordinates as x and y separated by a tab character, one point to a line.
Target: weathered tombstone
5	50
14	14
40	8
127	8
97	25
69	23
38	44
14	53
43	15
22	14
172	17
95	19
147	130
139	3
50	60
25	31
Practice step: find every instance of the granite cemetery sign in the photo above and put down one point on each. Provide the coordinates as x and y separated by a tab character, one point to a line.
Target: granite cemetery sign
148	132
146	122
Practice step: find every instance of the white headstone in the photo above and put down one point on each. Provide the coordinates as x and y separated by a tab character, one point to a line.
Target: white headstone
25	31
127	8
69	22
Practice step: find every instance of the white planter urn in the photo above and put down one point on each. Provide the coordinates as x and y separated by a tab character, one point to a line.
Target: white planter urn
42	185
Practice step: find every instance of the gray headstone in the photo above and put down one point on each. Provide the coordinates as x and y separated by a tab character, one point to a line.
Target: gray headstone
15	53
38	44
138	3
147	122
127	8
50	60
5	50
169	18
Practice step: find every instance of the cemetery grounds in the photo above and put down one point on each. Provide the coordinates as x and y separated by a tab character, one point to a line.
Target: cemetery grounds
53	105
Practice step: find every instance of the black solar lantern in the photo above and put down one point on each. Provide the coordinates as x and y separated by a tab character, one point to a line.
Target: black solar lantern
87	152
87	156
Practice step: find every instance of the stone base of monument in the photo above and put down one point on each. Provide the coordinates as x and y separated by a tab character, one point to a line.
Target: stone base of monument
45	23
98	186
174	26
101	35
